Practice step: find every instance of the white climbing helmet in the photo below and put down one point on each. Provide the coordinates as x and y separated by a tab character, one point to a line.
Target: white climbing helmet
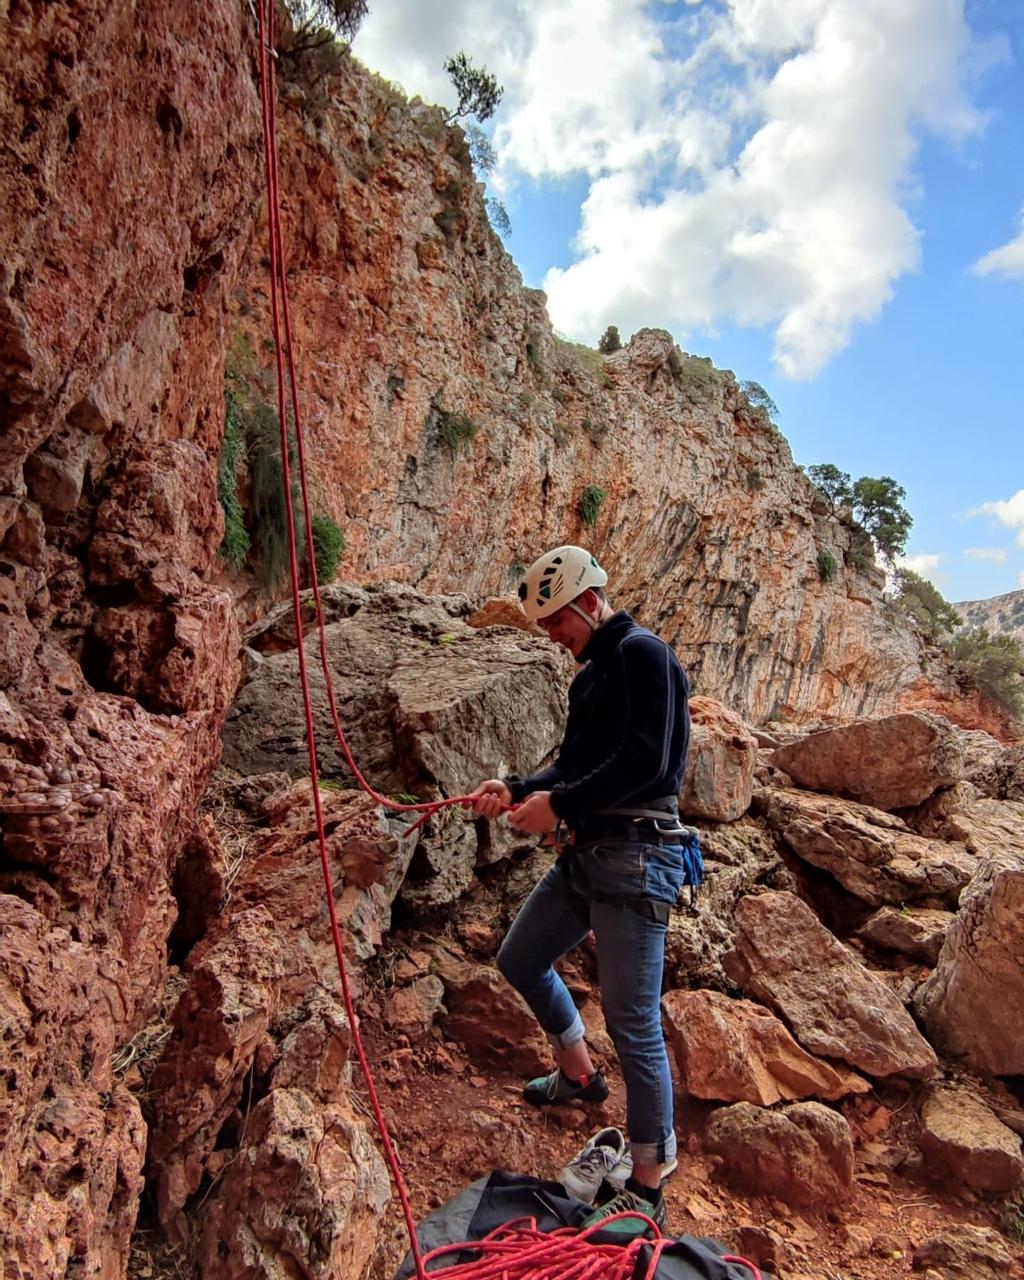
556	579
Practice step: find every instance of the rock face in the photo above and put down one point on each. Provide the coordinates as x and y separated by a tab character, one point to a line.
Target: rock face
803	1154
709	533
888	763
973	1004
126	218
784	957
870	853
736	1051
720	765
254	1083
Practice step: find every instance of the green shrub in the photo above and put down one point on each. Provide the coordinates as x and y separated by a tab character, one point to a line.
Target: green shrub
591	500
533	351
827	566
268	512
755	481
921	601
993	664
457	429
235	546
609	341
328	547
696	376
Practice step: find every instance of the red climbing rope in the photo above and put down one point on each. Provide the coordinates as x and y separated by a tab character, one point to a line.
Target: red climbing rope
278	283
514	1252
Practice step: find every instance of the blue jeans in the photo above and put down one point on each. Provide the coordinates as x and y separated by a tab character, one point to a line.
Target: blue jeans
562	909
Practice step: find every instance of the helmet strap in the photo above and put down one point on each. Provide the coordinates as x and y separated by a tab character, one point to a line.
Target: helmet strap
592	623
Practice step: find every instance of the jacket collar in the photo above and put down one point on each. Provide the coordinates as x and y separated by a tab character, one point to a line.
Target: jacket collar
606	639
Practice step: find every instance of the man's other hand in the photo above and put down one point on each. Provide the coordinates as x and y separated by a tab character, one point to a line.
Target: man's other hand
535	815
490	799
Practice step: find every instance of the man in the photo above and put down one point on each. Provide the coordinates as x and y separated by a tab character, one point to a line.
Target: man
613	788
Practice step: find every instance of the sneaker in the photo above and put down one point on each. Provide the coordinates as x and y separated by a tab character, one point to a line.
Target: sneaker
560	1088
605	1158
626	1228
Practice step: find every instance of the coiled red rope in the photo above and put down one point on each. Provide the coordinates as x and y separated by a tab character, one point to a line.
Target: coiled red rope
514	1251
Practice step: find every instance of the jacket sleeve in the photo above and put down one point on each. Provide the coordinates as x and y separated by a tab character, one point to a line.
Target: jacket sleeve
641	756
542	781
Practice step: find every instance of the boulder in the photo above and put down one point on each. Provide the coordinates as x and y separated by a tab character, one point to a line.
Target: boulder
737	1051
489	1018
966	1252
962	1140
912	931
872	854
802	1154
890	763
720	765
784	957
429	704
972	1006
306	1183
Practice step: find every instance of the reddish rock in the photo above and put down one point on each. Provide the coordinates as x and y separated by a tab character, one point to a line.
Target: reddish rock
786	958
490	1019
889	763
870	853
412	1009
967	1252
973	1004
720	765
911	931
962	1140
803	1154
736	1051
306	1184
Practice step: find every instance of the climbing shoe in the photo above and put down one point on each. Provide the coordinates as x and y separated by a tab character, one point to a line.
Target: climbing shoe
628	1227
605	1158
557	1087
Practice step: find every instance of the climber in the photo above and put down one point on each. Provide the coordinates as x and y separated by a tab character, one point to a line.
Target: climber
611	797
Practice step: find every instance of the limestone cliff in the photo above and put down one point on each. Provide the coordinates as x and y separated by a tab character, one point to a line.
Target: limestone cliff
408	310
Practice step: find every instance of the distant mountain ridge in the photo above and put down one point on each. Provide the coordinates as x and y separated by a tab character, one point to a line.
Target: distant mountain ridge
1003	613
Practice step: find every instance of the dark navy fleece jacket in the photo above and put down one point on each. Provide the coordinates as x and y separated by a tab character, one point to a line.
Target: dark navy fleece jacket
628	728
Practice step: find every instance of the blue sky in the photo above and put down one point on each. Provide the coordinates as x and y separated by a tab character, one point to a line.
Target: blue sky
822	195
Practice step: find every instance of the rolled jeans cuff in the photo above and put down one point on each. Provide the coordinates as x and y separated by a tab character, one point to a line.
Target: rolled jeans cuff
573	1034
654	1152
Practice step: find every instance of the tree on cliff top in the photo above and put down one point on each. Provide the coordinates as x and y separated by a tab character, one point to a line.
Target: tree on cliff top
878	507
319	21
479	91
834	485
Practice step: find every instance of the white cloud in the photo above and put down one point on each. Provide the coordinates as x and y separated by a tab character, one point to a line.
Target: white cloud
926	565
1009	511
996	555
1007	260
748	162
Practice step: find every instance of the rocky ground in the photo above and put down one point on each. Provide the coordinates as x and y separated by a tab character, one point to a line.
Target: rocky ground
455	1112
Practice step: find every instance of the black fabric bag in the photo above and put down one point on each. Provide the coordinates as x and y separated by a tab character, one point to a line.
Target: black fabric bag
501	1197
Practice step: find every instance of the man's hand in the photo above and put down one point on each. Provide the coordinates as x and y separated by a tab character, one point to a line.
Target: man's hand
490	799
535	815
